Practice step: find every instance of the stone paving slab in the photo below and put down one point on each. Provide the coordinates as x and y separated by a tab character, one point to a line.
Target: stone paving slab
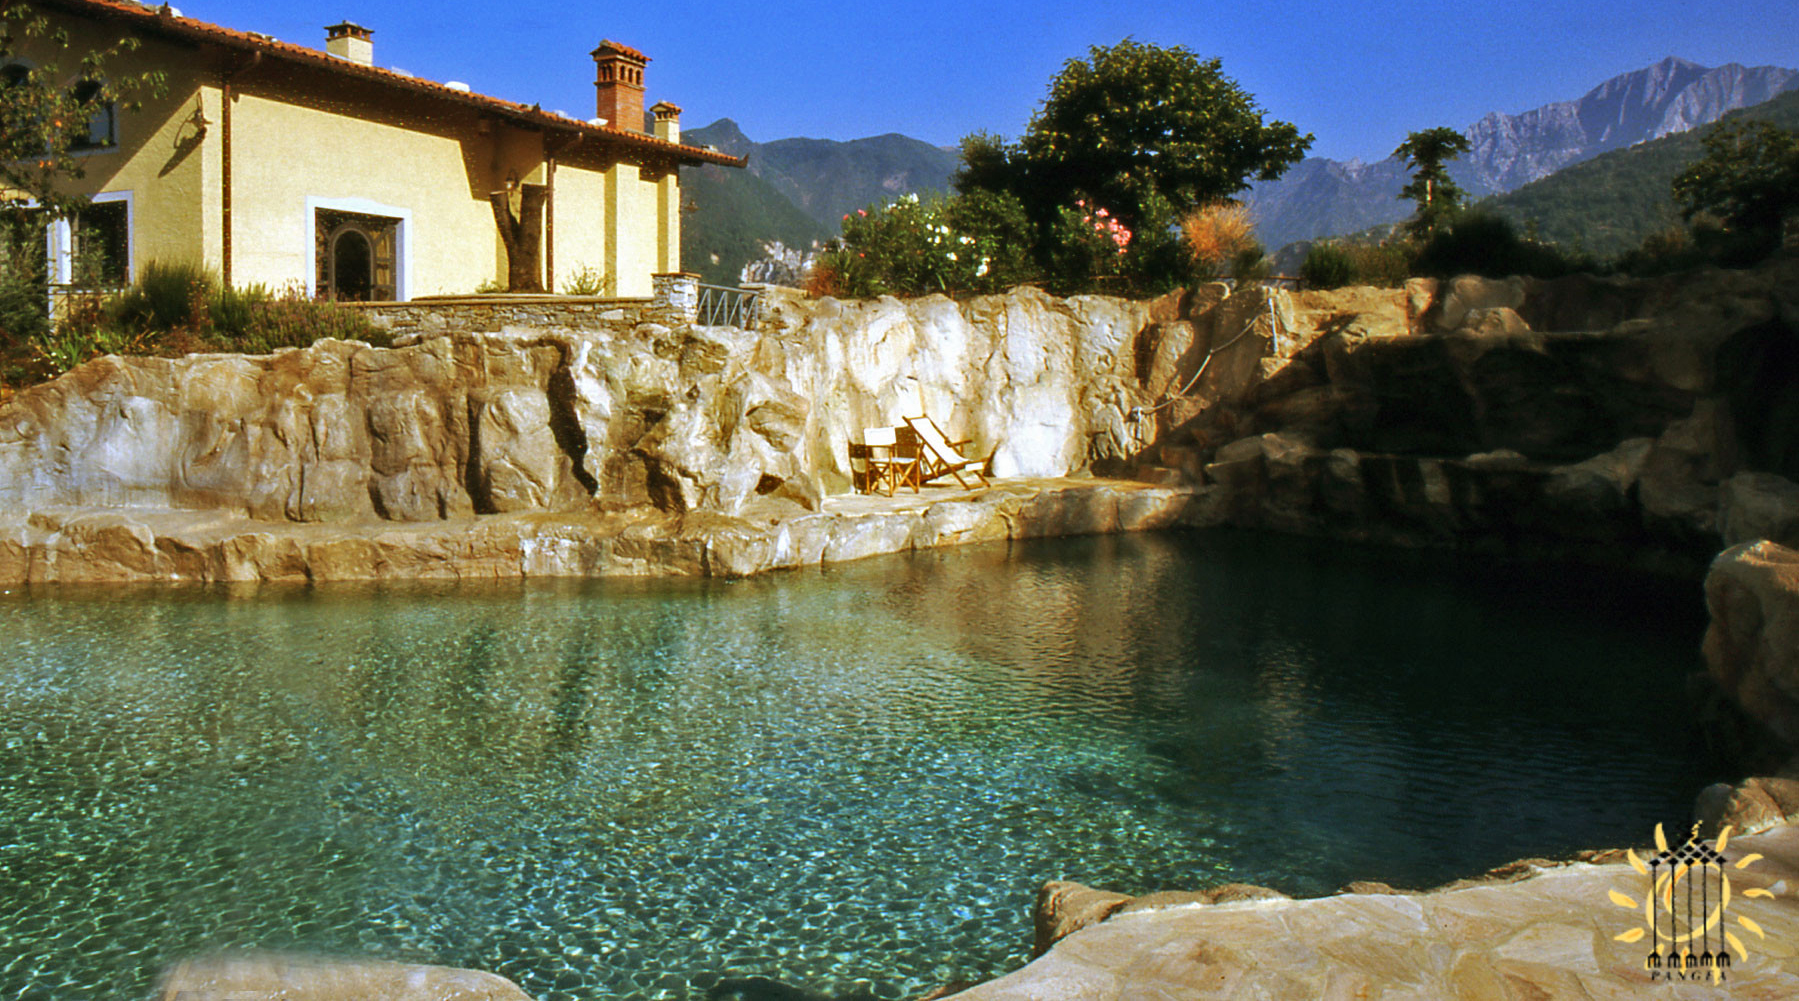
1547	936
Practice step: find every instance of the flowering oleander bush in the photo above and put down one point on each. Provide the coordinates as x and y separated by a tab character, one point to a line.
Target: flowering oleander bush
971	243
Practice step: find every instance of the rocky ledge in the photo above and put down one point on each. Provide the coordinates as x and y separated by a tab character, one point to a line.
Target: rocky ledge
1533	929
138	544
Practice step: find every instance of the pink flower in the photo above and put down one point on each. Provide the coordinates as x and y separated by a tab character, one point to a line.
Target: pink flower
861	212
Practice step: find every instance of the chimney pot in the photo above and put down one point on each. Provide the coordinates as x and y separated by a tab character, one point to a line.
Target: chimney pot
348	40
668	121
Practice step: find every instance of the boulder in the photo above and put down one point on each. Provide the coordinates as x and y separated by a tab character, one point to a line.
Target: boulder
1064	908
1752	805
1755	506
1752	644
1459	297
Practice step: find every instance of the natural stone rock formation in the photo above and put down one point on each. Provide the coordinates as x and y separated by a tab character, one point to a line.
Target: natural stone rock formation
1064	907
563	419
1648	421
1752	805
319	978
1532	930
1752	644
1438	413
82	545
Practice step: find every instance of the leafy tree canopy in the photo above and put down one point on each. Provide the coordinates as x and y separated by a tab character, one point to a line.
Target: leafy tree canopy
46	107
1748	177
1146	131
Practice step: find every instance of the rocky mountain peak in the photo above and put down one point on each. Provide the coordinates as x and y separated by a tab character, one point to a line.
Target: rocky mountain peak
1511	150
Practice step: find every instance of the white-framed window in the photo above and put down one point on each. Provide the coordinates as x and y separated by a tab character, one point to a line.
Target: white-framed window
93	249
102	126
360	249
102	132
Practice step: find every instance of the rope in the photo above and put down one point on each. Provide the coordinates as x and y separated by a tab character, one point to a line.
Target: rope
1137	413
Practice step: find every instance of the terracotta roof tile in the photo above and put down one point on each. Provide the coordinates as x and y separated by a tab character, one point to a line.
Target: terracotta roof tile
161	21
608	45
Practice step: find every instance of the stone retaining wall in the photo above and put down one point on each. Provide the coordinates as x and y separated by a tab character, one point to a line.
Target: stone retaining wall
475	314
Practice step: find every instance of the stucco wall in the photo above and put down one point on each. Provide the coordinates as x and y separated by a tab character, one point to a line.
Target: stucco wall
580	223
289	160
162	158
631	234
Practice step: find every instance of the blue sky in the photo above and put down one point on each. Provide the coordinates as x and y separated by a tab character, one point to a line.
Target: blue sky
1357	76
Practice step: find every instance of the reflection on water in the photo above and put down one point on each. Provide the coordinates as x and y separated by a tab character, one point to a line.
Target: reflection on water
841	778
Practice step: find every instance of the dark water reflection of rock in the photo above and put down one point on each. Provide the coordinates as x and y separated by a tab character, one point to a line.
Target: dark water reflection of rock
850	779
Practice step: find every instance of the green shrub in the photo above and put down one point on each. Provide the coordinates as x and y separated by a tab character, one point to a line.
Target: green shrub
1326	265
586	281
1385	265
23	297
165	297
233	311
290	320
1001	252
1482	244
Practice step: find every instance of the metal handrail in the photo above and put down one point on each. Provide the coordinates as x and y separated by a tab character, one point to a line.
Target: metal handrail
720	306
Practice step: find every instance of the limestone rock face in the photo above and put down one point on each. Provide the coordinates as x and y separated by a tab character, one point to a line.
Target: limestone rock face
1589	417
566	420
1752	644
317	978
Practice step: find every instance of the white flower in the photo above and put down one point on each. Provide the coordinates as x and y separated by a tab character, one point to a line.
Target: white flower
981	271
968	239
952	255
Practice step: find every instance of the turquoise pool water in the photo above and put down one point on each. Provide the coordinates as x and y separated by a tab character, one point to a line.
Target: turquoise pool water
851	779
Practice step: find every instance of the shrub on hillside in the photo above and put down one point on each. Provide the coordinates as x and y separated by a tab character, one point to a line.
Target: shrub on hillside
1326	265
1481	244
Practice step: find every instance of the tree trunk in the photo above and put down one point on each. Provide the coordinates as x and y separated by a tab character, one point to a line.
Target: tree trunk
522	235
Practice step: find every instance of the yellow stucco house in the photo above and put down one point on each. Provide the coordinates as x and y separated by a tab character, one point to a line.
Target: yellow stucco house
289	166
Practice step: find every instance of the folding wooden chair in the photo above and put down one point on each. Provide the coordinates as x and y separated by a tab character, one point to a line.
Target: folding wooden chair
886	463
939	457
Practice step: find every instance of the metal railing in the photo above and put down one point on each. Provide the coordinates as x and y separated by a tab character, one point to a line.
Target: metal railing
726	307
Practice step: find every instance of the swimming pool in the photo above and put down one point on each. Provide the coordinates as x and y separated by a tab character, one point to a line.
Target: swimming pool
851	779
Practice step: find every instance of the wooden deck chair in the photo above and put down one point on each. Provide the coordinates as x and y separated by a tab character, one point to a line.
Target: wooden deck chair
886	463
939	457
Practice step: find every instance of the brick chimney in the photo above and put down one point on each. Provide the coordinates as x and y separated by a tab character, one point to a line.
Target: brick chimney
352	42
618	85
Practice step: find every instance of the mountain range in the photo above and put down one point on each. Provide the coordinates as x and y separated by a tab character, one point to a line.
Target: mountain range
801	188
1608	204
797	191
1323	197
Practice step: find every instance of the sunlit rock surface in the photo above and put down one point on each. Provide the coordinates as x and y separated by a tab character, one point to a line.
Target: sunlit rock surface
228	977
1533	930
127	544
